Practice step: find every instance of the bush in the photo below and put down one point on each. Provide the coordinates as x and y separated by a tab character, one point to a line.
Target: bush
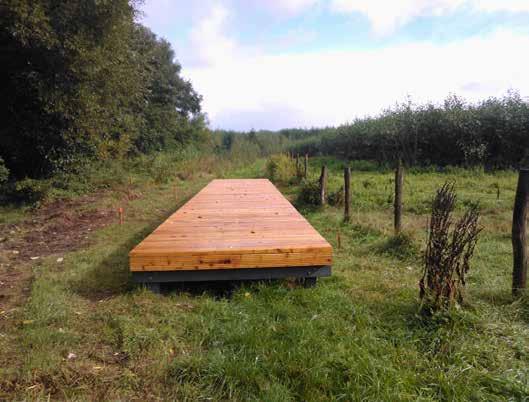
309	193
31	190
4	172
280	169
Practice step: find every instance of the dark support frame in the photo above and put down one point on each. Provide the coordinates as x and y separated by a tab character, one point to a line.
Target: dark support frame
153	279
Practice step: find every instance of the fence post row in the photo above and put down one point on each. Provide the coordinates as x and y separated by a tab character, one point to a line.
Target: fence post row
519	228
347	188
397	221
323	185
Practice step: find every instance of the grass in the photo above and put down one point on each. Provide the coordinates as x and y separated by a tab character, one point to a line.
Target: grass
355	336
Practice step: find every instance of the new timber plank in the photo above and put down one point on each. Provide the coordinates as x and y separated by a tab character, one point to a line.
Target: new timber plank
236	224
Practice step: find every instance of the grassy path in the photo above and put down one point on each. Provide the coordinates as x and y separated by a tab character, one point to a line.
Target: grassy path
87	333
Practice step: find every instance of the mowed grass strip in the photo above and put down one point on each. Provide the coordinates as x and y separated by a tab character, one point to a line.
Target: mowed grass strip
87	332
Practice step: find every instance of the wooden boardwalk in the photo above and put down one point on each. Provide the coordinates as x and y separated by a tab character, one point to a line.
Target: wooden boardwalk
230	225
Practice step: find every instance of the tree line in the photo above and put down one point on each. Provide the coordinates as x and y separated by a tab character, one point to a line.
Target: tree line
83	79
493	133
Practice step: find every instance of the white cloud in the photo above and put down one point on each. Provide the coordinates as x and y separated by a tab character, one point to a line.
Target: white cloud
514	6
244	88
386	16
208	41
322	88
290	6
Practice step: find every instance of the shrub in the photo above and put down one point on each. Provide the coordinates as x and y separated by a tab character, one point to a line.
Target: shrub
31	190
4	172
162	168
309	193
448	252
280	168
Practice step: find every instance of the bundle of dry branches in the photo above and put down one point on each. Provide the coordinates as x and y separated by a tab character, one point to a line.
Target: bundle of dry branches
448	252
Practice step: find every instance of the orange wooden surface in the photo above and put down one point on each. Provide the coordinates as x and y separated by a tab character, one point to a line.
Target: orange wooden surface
230	224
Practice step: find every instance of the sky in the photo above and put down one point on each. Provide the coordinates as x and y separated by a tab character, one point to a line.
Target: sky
272	64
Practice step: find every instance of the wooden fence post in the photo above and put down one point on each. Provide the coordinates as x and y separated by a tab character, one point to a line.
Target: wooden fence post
323	185
398	198
519	228
347	200
306	171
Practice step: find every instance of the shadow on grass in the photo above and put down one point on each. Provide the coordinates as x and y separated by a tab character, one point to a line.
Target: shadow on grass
112	277
225	289
305	208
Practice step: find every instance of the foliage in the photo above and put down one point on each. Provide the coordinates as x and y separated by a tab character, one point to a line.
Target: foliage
309	193
244	149
30	190
4	172
84	79
448	252
170	101
493	133
280	168
264	141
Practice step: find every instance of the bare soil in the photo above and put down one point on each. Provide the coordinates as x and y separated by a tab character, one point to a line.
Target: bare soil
53	229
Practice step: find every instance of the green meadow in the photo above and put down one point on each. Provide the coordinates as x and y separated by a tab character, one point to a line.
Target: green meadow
85	332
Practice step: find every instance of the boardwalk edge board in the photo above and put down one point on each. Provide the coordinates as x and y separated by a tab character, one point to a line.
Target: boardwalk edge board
233	229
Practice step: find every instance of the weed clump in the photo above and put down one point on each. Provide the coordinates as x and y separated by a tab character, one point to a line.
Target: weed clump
309	194
280	168
448	251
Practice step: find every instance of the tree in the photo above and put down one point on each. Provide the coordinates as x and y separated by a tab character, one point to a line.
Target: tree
71	83
82	79
172	107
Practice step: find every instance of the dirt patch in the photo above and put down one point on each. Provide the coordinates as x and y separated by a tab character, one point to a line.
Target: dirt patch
57	227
